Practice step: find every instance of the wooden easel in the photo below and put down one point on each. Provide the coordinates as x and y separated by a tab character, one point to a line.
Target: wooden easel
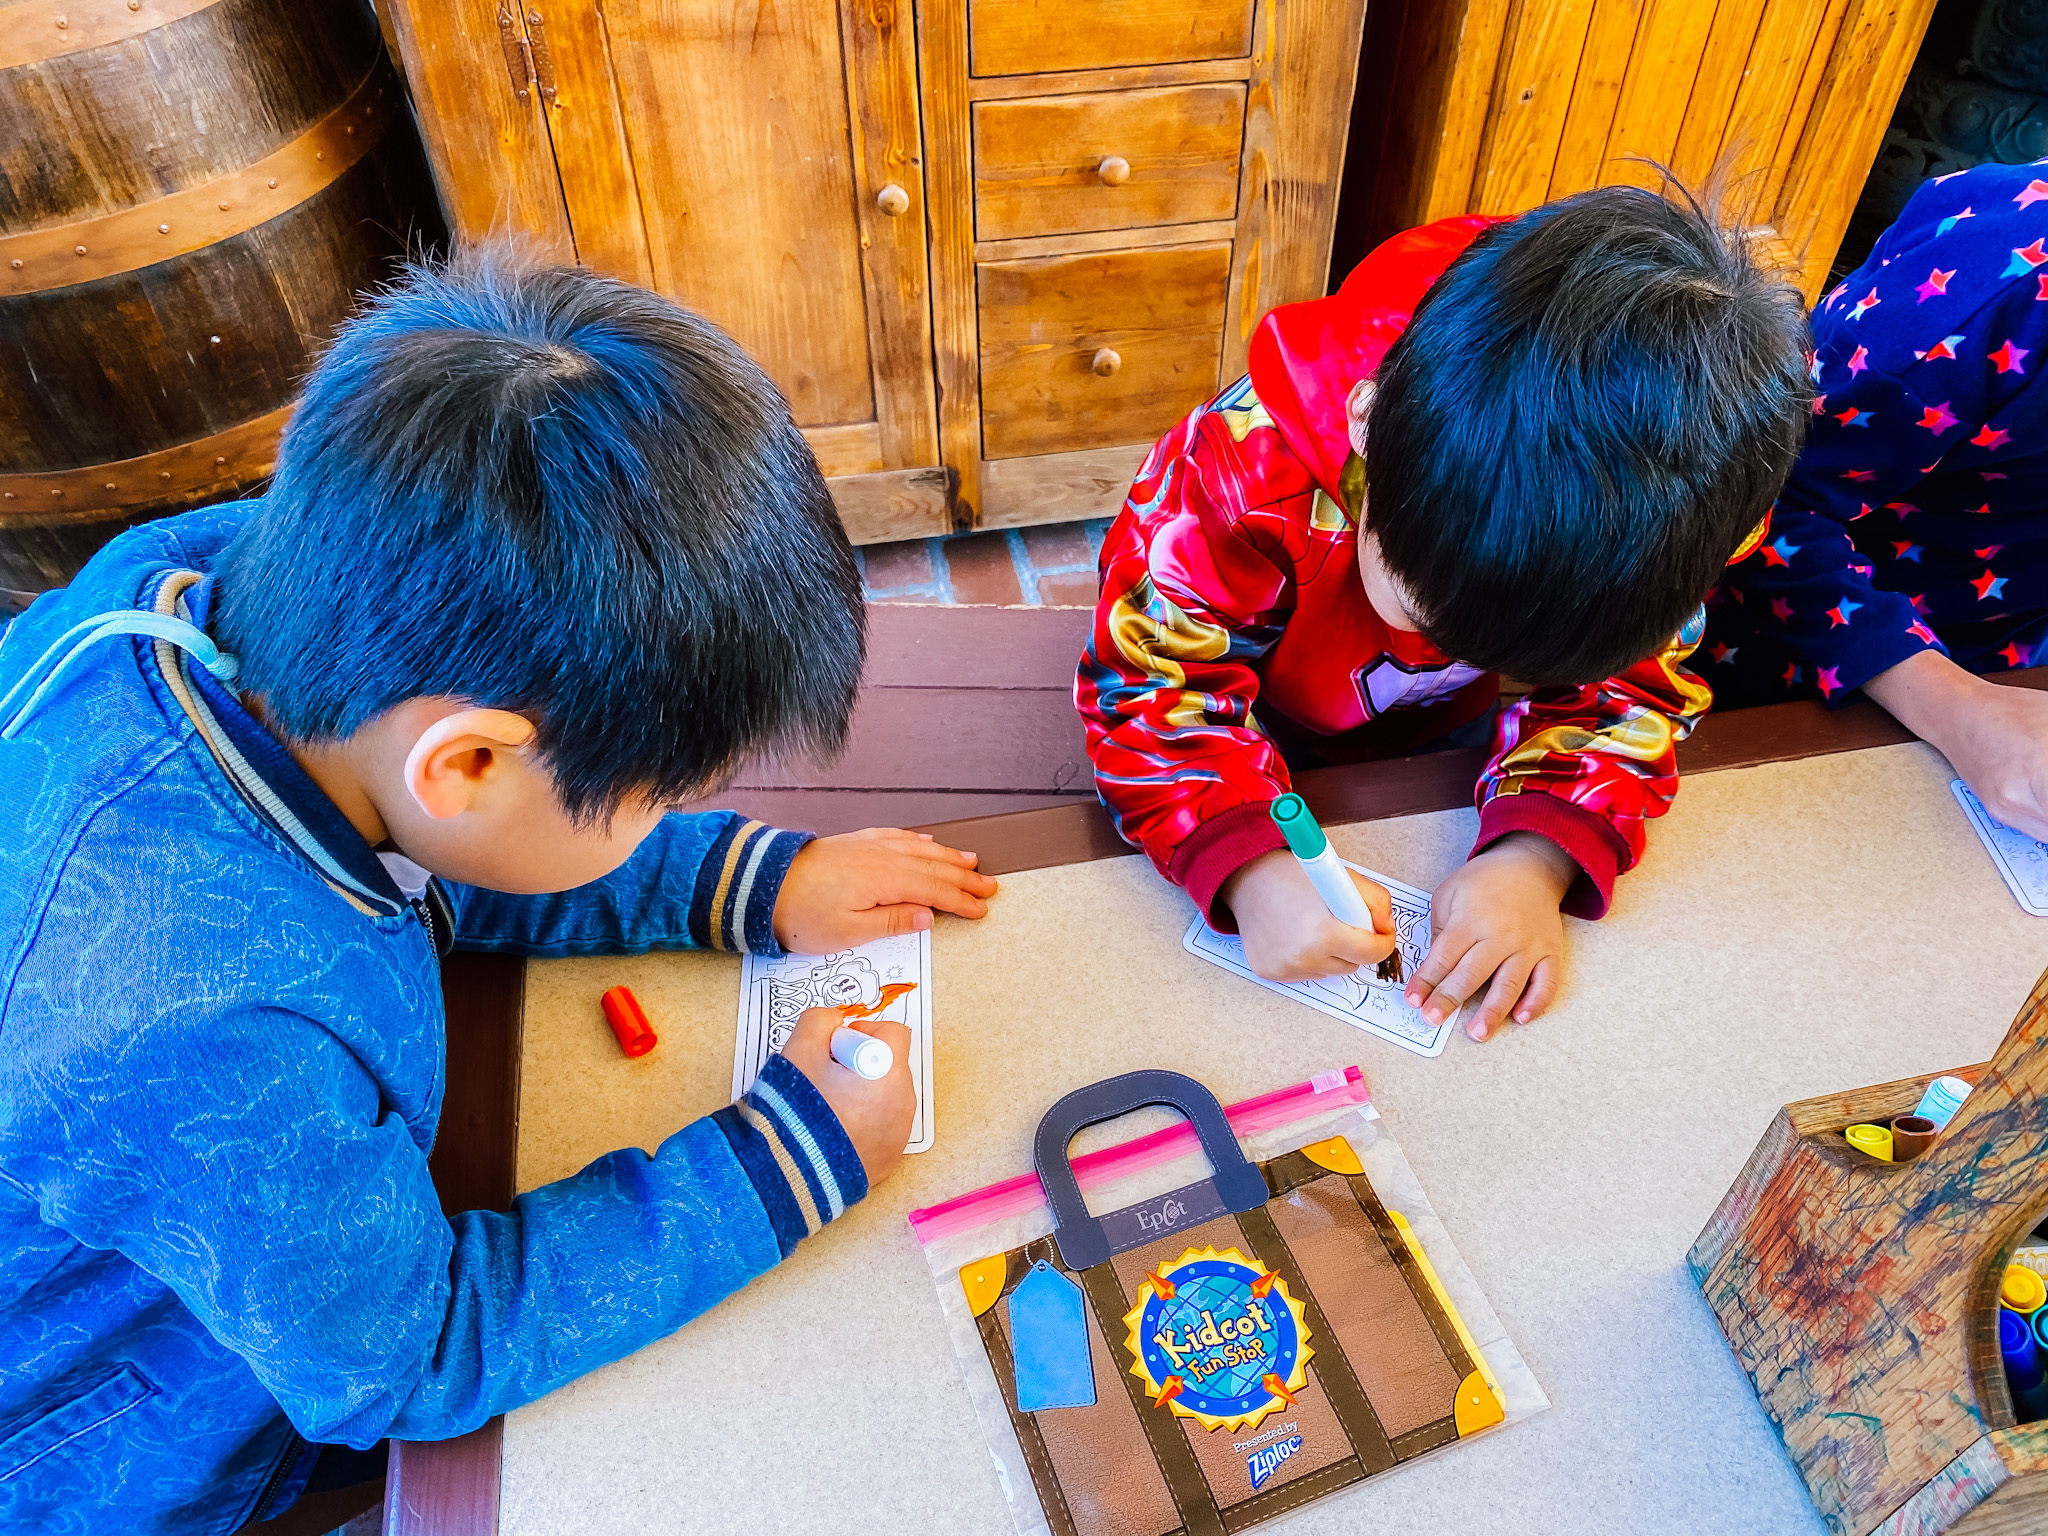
1860	1297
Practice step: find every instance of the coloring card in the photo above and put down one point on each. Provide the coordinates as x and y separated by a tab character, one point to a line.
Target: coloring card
2020	860
1378	1007
774	992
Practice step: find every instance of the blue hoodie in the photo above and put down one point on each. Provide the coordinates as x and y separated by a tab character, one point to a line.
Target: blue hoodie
221	1053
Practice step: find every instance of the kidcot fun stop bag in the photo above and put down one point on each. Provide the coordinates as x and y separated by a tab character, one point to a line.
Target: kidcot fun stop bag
1219	1346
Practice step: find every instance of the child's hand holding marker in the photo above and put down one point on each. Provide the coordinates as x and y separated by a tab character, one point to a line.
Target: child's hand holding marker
847	890
875	1113
1285	904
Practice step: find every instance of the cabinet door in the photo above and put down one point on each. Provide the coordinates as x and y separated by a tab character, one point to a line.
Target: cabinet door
759	164
1495	107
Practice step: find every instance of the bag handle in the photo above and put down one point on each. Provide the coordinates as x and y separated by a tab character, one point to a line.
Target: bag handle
1083	1243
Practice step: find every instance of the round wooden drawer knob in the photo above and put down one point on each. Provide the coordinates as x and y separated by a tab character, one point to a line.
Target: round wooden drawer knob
1115	170
1105	362
892	200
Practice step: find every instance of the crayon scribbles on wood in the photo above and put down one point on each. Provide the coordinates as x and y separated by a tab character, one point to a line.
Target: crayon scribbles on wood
1860	1295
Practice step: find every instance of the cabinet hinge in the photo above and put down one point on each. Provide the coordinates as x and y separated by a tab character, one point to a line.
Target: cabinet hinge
518	53
543	60
528	59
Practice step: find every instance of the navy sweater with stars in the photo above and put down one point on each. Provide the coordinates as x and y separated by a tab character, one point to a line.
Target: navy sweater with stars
1917	515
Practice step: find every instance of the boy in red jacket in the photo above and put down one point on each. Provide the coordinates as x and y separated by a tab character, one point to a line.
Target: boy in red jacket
1576	418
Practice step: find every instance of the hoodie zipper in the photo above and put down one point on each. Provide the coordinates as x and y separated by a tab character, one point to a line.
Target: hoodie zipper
292	1447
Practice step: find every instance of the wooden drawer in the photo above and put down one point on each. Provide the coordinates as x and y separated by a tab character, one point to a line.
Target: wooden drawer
1061	165
1030	37
1152	320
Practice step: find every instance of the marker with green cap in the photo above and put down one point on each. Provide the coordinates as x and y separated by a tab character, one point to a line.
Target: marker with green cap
1326	872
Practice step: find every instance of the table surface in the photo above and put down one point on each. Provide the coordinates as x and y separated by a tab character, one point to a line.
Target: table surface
1796	929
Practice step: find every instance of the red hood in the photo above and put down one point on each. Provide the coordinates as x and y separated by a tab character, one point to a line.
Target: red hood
1306	358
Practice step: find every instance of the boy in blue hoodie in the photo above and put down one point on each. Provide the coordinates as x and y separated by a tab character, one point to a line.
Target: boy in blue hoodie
544	554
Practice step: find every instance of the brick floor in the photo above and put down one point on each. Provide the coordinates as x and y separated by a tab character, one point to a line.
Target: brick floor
1058	546
908	564
1049	567
1067	589
982	569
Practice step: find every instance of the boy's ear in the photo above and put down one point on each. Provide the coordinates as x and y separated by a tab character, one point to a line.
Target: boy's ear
1356	411
455	755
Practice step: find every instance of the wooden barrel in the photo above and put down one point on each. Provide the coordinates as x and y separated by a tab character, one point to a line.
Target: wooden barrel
192	195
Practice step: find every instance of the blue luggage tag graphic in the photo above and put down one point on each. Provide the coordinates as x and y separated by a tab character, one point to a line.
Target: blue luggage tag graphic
1049	1342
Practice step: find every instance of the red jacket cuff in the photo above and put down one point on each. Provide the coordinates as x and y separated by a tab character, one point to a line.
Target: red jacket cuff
1589	839
1218	849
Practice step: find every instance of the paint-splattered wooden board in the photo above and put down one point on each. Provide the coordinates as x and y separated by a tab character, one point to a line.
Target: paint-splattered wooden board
1860	1296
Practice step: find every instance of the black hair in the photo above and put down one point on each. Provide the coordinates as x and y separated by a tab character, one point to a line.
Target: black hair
1590	410
542	490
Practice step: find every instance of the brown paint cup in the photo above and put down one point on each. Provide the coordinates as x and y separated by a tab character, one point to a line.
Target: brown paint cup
1912	1135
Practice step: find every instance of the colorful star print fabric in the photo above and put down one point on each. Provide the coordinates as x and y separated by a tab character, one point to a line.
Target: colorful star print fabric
1917	515
1230	585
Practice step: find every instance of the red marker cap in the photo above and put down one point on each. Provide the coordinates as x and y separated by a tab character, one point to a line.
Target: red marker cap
628	1020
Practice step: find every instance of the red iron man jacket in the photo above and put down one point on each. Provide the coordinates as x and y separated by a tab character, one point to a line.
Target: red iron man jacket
1232	623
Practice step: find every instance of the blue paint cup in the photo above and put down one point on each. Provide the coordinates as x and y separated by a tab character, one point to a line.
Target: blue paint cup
2026	1374
1944	1096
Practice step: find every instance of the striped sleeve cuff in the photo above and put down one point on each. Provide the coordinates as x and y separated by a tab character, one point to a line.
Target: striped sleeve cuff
733	905
794	1152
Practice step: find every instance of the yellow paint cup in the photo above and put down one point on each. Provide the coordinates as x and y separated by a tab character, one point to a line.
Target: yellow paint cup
1874	1139
2022	1290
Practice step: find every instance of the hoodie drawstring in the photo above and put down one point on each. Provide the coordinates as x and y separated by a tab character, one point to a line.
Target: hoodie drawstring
51	667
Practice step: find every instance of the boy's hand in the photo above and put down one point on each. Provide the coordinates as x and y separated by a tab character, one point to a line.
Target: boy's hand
1497	917
1995	737
875	1115
845	890
1289	934
2001	751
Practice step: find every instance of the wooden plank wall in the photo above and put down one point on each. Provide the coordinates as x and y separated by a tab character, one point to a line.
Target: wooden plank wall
1494	106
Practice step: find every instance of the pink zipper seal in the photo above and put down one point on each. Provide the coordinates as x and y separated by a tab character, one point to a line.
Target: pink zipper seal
1011	1197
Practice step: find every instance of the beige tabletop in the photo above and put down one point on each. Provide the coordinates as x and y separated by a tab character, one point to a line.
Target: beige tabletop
1795	929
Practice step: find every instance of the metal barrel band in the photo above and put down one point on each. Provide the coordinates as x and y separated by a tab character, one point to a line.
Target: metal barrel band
238	454
41	30
64	255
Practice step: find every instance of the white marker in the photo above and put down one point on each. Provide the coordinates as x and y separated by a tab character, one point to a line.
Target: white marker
1326	872
862	1055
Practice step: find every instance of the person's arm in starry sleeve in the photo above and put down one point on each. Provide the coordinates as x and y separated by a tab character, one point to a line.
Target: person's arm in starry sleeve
1920	364
1925	364
1873	437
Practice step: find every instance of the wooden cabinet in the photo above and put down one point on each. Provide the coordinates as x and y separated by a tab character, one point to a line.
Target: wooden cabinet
1494	106
1070	165
1096	349
990	249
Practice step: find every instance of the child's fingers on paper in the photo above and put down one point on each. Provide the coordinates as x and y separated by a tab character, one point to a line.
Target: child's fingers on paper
2018	808
1351	947
1444	951
1508	982
1474	963
1321	952
1541	989
1379	899
809	1045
